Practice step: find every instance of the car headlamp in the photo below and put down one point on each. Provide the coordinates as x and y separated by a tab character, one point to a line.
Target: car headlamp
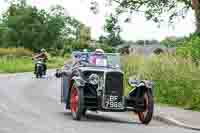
148	83
94	79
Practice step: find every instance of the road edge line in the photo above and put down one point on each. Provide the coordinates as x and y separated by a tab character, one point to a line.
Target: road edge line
174	122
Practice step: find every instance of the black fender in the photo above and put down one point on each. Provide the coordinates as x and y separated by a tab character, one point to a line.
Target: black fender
140	88
135	97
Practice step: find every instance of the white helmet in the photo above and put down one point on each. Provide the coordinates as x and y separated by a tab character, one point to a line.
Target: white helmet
85	50
99	51
43	50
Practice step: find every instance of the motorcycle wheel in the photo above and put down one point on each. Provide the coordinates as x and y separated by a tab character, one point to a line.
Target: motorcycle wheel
39	72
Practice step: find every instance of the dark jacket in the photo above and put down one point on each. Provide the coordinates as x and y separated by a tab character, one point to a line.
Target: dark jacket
41	55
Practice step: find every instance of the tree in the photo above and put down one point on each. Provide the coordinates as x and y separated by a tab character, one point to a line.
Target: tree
173	41
84	35
26	26
30	28
140	42
102	39
113	29
156	9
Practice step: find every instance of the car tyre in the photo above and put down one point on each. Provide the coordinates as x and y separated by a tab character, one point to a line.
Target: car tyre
76	102
146	116
84	111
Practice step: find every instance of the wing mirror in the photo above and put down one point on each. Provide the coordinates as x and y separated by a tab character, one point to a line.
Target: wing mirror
67	66
58	73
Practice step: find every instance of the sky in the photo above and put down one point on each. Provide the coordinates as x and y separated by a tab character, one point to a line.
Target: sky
138	29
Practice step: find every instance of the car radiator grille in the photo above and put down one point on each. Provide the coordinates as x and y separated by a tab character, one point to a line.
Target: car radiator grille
114	84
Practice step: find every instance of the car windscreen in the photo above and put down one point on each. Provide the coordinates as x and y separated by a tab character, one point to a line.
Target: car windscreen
106	59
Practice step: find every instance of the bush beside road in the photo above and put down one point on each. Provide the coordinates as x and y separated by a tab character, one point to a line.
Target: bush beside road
17	52
11	64
176	79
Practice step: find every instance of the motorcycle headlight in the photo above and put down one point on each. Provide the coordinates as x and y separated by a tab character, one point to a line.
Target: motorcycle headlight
94	79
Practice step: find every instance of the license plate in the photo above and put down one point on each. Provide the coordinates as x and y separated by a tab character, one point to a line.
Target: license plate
113	102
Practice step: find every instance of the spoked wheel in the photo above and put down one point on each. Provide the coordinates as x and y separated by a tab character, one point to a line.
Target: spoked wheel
76	103
146	116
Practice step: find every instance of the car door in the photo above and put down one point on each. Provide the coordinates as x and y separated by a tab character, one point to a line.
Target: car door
65	84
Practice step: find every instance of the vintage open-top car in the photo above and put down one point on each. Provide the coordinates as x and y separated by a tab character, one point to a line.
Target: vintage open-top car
100	86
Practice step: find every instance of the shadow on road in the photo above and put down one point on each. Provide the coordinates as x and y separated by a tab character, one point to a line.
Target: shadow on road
92	117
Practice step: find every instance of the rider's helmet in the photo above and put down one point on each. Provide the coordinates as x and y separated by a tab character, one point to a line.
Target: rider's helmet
85	50
42	50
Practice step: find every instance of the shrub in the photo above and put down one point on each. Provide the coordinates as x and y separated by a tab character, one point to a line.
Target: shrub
15	52
190	48
175	78
107	48
11	64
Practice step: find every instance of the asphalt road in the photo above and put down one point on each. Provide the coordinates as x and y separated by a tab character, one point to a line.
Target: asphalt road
29	105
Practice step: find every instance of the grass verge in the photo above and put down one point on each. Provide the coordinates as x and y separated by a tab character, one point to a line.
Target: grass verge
176	79
11	64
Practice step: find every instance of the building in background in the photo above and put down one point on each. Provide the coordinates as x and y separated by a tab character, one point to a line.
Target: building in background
145	49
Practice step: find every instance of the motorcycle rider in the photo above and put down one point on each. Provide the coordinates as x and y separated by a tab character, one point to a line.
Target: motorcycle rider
42	54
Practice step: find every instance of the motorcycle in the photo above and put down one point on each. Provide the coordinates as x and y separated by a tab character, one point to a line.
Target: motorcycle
40	68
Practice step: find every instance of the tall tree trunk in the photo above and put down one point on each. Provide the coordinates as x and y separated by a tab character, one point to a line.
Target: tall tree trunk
196	8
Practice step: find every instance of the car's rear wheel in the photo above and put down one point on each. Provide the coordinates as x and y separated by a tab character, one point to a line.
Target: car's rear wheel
76	102
84	111
146	116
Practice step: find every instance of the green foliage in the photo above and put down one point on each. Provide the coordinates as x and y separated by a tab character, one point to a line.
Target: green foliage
175	78
84	36
12	64
109	49
28	27
113	29
146	42
155	9
190	48
173	41
17	52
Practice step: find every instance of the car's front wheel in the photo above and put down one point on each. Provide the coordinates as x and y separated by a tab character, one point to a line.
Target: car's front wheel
146	116
76	102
